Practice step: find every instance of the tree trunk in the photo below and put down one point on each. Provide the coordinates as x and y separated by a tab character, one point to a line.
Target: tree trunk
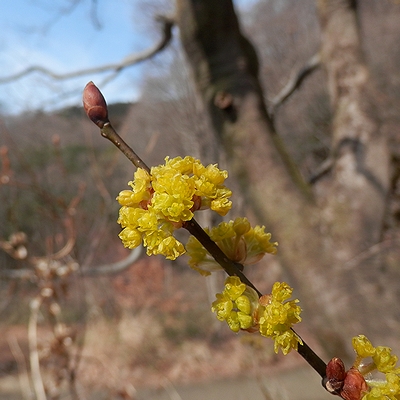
316	236
354	200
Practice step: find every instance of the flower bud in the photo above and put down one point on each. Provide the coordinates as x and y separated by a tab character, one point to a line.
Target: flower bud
95	105
335	376
348	385
354	385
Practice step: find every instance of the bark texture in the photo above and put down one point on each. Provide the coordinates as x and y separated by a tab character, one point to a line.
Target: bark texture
317	236
354	200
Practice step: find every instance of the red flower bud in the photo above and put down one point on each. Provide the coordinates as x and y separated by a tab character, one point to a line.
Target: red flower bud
348	385
354	385
95	105
335	376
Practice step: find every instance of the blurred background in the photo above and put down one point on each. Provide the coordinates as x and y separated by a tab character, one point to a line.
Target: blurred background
71	319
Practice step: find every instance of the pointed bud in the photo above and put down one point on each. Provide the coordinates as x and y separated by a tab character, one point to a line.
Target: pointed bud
95	105
335	376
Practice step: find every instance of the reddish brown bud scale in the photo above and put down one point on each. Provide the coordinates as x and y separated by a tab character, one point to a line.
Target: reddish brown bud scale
335	375
95	105
265	299
354	385
348	385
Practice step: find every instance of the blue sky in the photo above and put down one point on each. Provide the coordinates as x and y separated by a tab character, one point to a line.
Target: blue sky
37	32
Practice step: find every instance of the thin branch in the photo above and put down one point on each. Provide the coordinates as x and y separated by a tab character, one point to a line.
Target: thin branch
94	14
22	367
295	80
323	169
132	59
104	269
235	269
33	349
372	251
231	268
311	357
66	249
111	134
23	274
113	268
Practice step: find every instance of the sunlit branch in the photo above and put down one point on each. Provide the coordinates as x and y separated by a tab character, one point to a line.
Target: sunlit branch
113	268
109	133
230	267
96	109
85	270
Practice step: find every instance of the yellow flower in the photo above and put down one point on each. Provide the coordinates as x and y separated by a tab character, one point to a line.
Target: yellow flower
258	243
385	389
140	189
237	305
222	306
374	394
286	341
234	287
383	361
130	237
160	201
363	346
239	242
279	316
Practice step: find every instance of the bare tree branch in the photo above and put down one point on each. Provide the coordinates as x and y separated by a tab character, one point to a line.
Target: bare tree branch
23	374
113	268
94	15
33	349
25	273
322	170
105	269
295	80
166	30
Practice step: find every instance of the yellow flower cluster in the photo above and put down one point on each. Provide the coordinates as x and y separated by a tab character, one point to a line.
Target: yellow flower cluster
239	242
272	315
160	201
383	361
236	305
280	314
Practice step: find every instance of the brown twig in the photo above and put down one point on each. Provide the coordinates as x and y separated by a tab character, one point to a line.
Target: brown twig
230	267
311	357
235	269
109	133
